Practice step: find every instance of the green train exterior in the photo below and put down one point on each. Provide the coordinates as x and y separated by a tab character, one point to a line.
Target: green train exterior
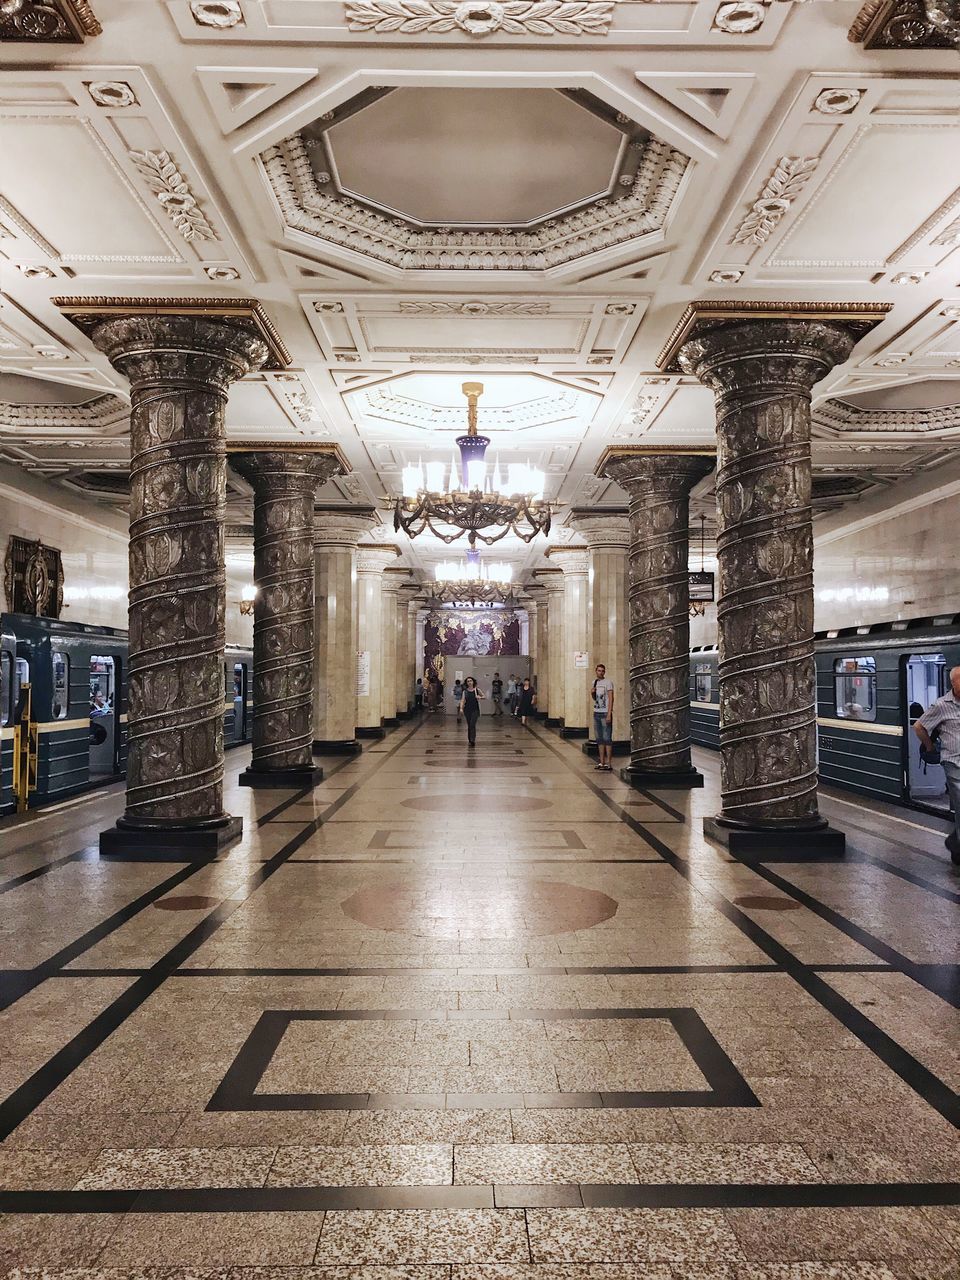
872	682
82	745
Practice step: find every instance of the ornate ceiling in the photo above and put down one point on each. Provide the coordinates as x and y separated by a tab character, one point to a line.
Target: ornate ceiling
520	192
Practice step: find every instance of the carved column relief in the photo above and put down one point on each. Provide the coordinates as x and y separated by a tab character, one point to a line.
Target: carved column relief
659	486
371	562
608	536
762	369
284	483
572	681
180	366
335	537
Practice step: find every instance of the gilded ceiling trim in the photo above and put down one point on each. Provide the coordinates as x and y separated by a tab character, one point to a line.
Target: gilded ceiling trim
895	24
292	446
651	451
50	22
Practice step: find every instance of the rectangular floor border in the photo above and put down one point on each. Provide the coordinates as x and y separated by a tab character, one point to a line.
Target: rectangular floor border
37	1088
913	1073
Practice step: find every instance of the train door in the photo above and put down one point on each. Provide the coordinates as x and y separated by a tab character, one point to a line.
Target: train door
239	701
925	681
104	716
8	651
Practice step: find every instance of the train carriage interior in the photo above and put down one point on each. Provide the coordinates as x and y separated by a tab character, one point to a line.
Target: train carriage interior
479	640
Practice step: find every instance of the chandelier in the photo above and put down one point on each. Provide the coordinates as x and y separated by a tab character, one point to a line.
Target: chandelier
469	581
474	593
470	499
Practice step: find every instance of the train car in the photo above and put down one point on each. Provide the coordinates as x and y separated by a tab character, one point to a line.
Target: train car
77	676
872	684
238	696
78	679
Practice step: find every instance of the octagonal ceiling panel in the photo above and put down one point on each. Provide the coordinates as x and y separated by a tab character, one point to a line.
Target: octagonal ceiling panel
519	179
497	158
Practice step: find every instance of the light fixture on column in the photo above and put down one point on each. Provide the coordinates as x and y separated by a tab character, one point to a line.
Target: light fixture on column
469	500
248	598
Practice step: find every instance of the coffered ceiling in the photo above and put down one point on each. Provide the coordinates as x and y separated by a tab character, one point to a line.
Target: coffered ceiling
524	193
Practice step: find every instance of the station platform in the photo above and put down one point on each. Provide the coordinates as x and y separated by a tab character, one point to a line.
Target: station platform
479	1015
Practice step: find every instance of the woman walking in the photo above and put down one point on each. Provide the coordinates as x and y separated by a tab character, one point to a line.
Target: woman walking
469	707
526	701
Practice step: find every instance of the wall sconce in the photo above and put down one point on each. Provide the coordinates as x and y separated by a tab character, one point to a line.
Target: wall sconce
248	597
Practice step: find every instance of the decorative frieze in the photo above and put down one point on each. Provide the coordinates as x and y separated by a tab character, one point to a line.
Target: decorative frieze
791	175
480	17
173	192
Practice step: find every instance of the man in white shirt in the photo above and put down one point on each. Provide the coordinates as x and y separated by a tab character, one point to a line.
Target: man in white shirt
943	717
602	696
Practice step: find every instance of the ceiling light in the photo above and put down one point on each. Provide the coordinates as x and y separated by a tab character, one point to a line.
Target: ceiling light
471	496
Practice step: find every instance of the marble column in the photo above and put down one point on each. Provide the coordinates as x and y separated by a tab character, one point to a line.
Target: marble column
607	533
284	480
762	360
539	656
372	559
659	484
336	532
574	680
552	695
180	357
407	606
390	649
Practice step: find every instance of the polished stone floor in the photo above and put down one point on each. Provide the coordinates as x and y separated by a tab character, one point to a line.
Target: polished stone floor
484	1015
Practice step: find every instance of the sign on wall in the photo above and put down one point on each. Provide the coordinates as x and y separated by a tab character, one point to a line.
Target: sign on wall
581	660
363	673
701	586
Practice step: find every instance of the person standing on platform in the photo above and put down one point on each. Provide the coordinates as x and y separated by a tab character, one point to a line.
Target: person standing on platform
418	695
602	695
527	700
496	693
512	693
469	706
457	696
943	718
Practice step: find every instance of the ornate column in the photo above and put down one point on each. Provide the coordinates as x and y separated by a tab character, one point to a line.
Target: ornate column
372	559
336	532
539	656
659	483
390	650
180	357
552	704
607	533
284	480
762	360
571	675
407	605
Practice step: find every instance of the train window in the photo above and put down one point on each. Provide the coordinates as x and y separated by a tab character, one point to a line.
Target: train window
61	685
704	683
21	675
101	685
855	688
6	687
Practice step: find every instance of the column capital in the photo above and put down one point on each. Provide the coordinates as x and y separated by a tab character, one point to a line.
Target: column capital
216	340
374	557
668	470
603	530
271	465
537	592
551	579
817	335
570	559
341	527
394	577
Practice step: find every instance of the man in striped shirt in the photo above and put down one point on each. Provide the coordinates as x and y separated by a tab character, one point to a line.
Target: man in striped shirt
943	718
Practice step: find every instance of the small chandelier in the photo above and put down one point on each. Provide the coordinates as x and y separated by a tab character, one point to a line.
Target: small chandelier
248	599
470	501
473	593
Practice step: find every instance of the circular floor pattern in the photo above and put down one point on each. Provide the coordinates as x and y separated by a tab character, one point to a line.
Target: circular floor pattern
461	804
515	908
186	903
761	902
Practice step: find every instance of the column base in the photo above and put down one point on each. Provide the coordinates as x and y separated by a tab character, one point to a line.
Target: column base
621	747
554	722
390	722
574	731
187	844
404	715
768	844
336	747
662	779
540	715
371	731
298	776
